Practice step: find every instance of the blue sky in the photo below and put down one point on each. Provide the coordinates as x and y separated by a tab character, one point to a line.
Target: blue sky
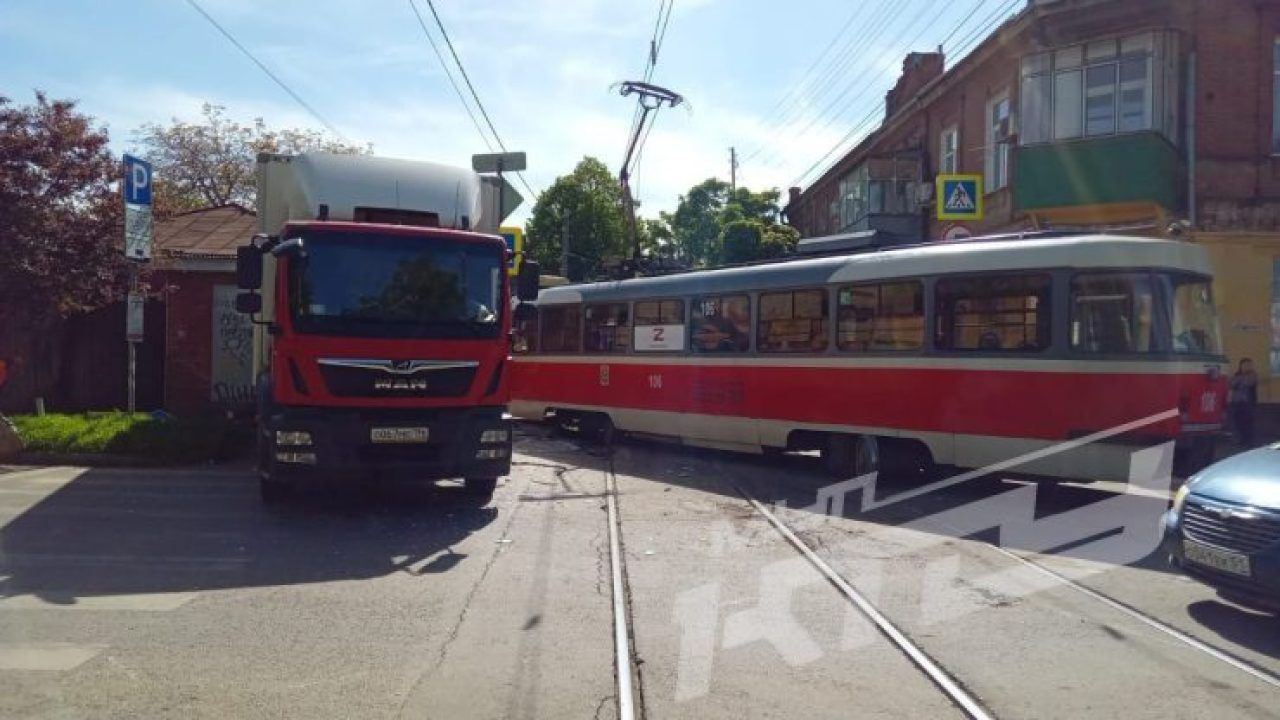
544	69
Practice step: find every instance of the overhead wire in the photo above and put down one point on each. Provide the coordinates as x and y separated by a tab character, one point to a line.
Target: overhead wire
471	87
267	71
829	77
981	30
444	65
826	117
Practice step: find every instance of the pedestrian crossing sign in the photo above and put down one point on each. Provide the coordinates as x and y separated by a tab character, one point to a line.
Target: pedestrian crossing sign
960	197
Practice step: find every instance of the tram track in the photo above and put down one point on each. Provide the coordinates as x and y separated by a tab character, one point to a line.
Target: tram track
944	680
946	683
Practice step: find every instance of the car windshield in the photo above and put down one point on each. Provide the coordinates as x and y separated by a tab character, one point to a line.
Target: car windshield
407	286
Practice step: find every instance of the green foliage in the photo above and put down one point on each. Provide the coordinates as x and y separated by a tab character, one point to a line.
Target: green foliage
740	241
778	241
186	440
702	220
584	208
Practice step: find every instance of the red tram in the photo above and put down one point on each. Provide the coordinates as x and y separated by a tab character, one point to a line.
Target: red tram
964	354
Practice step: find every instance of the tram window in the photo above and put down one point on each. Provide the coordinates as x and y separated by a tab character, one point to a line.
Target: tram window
524	326
793	322
722	324
1112	314
607	328
1193	317
560	329
659	326
887	317
994	314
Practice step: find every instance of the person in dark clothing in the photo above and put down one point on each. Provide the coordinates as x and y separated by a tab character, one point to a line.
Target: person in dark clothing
1242	401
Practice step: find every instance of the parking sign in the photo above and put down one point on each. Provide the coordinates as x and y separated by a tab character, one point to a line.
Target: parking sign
137	181
960	197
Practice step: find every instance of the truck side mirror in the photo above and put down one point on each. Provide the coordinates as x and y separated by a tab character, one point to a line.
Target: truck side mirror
248	267
248	303
527	281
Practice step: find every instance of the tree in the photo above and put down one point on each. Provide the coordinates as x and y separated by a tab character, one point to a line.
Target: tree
61	232
778	240
583	208
740	241
705	214
656	239
696	223
212	162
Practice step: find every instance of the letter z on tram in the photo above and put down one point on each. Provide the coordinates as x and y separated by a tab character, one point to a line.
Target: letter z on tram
965	354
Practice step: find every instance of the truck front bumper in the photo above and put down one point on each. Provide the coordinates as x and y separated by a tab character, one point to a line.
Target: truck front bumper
470	442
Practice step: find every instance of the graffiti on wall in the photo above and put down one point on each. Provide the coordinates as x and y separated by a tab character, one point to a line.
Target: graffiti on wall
231	380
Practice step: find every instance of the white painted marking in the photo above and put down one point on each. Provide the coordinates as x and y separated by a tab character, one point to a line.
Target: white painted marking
47	657
146	602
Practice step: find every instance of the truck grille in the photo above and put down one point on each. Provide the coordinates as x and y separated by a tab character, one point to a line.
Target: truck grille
354	381
1230	528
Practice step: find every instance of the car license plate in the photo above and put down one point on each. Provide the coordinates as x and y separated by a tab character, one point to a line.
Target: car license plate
1229	562
399	435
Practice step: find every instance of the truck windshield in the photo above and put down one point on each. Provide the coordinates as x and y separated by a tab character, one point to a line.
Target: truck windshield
368	285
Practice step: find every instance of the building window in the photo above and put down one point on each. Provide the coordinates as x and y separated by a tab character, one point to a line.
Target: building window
995	313
793	322
659	326
1104	88
561	328
998	130
722	324
607	328
949	151
1275	99
882	318
886	185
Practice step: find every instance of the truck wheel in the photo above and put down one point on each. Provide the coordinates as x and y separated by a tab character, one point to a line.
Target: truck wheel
480	488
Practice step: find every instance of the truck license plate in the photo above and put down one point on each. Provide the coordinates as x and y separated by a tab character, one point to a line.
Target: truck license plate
399	435
1229	562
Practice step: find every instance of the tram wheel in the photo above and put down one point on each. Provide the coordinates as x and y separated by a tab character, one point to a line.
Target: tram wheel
850	456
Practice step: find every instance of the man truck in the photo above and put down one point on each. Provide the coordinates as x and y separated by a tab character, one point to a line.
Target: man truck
381	300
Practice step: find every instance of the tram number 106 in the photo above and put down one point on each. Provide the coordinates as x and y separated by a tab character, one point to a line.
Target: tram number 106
655	382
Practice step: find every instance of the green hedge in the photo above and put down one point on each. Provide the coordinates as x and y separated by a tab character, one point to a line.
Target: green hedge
163	440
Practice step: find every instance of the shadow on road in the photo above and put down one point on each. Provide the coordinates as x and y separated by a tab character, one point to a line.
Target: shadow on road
121	532
797	479
1255	629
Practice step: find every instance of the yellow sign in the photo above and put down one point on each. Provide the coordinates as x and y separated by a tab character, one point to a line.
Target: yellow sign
515	245
960	197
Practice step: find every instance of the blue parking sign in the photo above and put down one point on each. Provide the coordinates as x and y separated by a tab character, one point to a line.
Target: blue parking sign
137	181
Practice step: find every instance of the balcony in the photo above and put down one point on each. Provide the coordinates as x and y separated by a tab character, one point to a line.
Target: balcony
1112	179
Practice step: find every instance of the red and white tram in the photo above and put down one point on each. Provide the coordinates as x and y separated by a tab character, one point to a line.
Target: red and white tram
965	354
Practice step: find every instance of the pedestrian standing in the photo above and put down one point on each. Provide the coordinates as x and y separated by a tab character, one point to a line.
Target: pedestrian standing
1243	402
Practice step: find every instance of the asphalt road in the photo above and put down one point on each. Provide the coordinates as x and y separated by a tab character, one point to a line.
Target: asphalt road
173	593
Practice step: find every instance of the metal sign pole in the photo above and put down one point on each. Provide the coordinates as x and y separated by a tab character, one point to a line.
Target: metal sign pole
138	236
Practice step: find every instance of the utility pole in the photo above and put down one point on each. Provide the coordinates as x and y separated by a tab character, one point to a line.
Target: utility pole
733	170
651	97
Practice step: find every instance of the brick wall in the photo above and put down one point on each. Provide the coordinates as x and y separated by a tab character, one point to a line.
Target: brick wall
189	333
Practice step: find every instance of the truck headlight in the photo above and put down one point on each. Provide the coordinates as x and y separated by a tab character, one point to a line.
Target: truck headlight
495	436
293	437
